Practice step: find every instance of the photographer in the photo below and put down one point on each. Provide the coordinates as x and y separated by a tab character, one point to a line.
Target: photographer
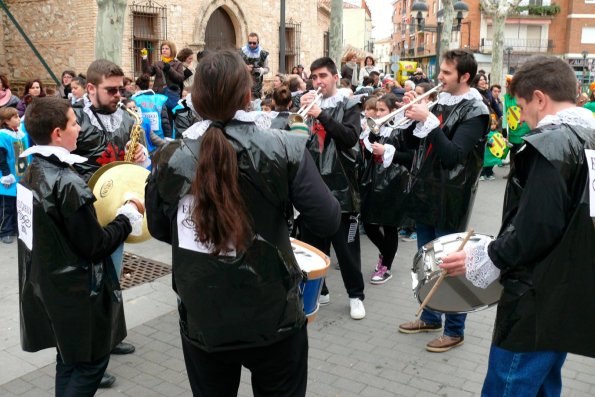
256	60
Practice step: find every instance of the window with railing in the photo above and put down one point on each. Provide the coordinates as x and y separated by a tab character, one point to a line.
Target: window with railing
325	44
149	28
293	32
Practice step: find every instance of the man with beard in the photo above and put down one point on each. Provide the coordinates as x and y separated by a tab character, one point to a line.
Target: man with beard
332	144
105	132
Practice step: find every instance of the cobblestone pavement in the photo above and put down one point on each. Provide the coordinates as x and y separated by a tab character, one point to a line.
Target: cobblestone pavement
346	357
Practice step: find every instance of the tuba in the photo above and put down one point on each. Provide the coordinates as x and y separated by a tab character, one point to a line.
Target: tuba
118	181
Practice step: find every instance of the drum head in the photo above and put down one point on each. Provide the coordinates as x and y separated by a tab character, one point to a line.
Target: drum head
455	294
311	260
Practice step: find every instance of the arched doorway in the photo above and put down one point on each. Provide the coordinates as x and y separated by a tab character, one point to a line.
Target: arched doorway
220	32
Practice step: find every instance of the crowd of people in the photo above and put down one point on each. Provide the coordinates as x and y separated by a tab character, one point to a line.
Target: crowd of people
231	166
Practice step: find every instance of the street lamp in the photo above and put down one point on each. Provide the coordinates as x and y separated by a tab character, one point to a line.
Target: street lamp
508	52
419	12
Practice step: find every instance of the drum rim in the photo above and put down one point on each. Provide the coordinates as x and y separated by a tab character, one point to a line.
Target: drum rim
318	273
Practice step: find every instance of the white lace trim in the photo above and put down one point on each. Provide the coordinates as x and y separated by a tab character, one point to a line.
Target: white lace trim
261	119
572	116
480	269
18	134
332	101
61	153
389	153
110	121
8	179
448	99
422	129
135	218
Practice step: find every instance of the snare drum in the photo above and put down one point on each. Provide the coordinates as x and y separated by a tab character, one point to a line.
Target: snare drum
315	264
455	294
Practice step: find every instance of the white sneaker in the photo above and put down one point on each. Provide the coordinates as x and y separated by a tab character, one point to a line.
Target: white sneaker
324	299
357	308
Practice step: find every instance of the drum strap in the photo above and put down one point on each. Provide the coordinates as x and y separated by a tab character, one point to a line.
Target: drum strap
464	292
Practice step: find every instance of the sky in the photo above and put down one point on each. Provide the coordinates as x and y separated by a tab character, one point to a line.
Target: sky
382	11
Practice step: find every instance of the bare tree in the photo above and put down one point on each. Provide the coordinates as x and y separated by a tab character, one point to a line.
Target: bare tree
336	32
449	12
498	10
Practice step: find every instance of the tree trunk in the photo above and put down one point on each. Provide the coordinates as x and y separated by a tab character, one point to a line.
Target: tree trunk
336	32
449	14
498	22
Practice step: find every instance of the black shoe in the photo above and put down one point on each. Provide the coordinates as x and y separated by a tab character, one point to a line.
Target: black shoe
123	348
107	380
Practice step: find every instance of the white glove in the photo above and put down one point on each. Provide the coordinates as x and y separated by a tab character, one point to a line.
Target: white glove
136	218
8	180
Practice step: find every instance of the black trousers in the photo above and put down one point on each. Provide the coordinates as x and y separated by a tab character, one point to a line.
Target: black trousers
487	171
386	240
346	244
8	215
79	379
278	370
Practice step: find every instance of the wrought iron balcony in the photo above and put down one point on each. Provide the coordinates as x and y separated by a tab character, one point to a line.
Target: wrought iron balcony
520	45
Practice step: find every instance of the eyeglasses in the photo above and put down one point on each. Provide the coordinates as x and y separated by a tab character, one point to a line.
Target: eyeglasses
111	91
253	42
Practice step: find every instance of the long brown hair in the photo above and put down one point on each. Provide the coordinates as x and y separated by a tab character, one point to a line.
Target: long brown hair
221	87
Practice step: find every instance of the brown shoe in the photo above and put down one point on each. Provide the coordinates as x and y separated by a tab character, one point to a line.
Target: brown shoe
413	327
444	343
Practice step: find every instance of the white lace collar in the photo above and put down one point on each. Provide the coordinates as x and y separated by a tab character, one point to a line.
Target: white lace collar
61	153
18	134
448	99
261	119
332	101
572	116
110	122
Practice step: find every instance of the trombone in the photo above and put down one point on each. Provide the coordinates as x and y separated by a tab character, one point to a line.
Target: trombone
300	116
376	124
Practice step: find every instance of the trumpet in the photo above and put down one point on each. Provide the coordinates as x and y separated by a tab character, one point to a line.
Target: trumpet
375	124
300	116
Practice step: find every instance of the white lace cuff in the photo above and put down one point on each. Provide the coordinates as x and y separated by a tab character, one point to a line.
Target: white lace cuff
8	179
480	269
366	141
422	129
135	218
387	157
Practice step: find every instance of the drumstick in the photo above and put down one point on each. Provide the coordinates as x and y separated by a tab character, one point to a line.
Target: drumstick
443	274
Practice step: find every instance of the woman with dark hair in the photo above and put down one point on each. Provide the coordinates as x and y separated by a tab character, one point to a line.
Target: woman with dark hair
369	67
64	88
7	98
282	101
33	89
295	70
222	198
383	186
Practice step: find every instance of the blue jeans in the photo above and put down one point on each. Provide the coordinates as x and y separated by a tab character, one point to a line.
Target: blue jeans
117	258
513	374
454	325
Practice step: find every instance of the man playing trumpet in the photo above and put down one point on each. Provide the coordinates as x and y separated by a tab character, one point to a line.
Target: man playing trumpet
449	142
333	145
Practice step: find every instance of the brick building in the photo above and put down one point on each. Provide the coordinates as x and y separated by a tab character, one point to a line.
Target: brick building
65	31
564	28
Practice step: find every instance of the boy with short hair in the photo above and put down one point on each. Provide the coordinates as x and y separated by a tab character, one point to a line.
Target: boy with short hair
12	143
69	293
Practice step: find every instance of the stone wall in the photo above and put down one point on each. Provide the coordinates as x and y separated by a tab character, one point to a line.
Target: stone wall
64	32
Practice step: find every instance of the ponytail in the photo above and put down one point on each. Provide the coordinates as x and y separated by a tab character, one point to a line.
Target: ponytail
219	212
